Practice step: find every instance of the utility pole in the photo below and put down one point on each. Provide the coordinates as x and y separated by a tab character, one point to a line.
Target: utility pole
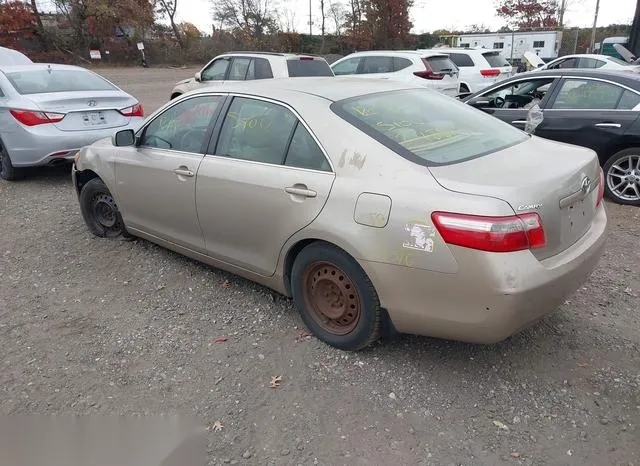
310	21
593	31
563	5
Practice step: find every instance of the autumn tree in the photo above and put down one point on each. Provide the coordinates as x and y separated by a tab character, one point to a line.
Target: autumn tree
529	14
16	22
251	20
338	13
389	23
168	9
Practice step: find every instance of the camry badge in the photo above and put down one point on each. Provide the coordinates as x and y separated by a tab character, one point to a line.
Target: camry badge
92	103
529	207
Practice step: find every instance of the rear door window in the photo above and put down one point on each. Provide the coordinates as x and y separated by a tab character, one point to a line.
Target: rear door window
379	64
304	152
461	59
256	130
586	94
307	66
495	59
349	66
239	68
628	101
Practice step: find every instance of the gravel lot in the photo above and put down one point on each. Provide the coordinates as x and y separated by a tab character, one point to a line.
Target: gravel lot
89	325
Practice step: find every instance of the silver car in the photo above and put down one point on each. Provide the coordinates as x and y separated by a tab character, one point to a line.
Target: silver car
48	112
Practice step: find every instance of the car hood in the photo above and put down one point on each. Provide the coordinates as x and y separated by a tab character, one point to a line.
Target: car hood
185	81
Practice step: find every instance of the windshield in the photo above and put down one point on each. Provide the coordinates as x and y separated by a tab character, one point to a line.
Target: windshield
41	81
426	127
304	67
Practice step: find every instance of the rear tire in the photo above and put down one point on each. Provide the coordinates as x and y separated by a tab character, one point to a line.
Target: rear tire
622	177
335	298
7	170
100	211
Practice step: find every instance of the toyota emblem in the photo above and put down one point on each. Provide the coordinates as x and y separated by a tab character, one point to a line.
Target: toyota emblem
586	182
92	103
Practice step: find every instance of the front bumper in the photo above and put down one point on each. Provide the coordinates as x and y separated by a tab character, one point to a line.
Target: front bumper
492	296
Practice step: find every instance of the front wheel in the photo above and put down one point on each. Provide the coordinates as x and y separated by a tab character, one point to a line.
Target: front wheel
100	211
335	298
622	177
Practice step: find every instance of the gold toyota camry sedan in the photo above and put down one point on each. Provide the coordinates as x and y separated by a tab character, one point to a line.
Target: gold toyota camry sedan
372	205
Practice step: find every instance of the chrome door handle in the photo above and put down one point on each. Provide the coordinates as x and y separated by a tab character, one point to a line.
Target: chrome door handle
304	192
183	172
519	122
608	125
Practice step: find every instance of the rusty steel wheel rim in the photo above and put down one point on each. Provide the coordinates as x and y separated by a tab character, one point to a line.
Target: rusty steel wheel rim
332	298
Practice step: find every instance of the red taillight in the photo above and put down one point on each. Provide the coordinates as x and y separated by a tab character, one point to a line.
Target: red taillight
133	111
306	58
428	74
490	73
600	189
495	234
30	118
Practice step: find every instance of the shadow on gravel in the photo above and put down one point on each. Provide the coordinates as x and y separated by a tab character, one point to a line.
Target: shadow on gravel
59	173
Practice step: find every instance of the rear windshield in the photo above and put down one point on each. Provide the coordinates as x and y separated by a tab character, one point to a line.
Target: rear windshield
42	81
495	59
461	59
305	67
441	64
426	127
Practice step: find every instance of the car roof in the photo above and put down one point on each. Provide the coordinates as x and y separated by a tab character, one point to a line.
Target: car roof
418	53
247	53
585	55
12	57
629	78
324	87
463	49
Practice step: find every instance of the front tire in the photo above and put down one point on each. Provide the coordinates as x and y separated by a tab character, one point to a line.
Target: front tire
100	211
7	170
622	177
335	298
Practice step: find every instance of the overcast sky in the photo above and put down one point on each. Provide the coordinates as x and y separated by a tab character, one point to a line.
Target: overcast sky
429	15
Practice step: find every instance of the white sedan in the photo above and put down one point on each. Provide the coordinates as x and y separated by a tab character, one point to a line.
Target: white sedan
592	61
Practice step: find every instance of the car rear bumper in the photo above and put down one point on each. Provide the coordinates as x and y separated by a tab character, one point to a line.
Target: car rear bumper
492	296
35	146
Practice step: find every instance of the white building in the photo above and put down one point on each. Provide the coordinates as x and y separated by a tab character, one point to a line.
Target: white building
545	44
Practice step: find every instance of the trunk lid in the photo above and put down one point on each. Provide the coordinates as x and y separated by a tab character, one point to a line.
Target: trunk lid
536	176
498	62
86	111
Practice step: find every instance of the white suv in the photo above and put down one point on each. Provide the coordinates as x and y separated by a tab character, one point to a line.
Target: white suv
430	69
479	68
245	66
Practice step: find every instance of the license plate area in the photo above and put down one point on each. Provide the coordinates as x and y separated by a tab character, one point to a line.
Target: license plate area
93	119
576	219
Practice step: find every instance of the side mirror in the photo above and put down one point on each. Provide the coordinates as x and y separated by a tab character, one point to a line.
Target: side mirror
124	138
198	77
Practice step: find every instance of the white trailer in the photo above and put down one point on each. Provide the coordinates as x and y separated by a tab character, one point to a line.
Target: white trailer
513	45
